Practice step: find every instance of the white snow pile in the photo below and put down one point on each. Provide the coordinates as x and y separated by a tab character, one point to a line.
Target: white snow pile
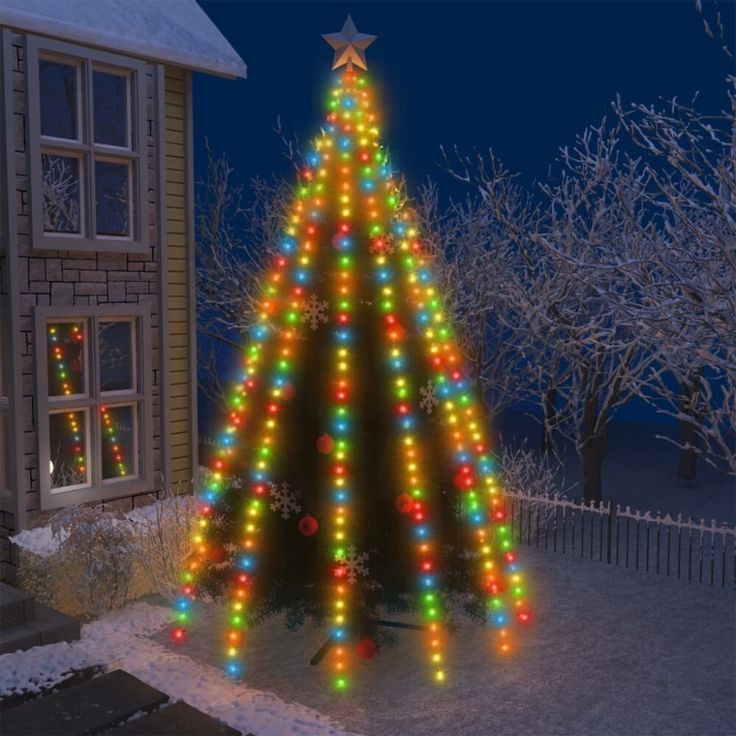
119	641
42	541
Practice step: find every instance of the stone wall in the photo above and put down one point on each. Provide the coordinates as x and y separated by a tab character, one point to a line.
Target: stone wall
65	278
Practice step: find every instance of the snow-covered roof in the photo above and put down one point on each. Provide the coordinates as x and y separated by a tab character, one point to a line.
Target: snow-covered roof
172	31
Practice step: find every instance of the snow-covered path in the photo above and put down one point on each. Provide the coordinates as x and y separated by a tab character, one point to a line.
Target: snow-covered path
121	641
613	652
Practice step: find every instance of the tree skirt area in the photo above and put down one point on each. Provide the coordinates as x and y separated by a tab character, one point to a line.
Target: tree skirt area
612	652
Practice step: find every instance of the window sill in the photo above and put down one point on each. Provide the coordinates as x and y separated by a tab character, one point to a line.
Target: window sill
96	246
108	492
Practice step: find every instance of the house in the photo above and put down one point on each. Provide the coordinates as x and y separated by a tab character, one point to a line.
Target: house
97	339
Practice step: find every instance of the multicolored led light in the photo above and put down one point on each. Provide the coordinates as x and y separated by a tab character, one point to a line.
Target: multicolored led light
474	474
64	388
348	181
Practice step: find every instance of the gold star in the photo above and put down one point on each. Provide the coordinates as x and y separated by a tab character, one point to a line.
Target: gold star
349	45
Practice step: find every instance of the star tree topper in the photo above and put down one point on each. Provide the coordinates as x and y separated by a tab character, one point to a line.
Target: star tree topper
349	45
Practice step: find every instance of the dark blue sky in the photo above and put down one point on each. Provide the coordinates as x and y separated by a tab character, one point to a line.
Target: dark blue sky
523	77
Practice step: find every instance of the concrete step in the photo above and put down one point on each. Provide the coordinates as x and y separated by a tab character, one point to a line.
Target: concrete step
16	607
92	707
71	678
178	719
47	627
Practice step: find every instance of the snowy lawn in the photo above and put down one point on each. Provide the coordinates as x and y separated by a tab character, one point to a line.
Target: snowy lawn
612	652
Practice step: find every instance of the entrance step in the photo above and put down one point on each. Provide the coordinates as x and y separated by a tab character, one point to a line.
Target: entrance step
16	607
94	706
71	678
178	719
45	626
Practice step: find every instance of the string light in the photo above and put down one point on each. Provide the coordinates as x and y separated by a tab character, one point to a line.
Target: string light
348	176
64	387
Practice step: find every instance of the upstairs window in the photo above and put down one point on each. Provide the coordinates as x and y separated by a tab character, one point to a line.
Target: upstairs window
87	143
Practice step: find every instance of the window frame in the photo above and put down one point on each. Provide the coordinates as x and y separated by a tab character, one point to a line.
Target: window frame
88	60
140	396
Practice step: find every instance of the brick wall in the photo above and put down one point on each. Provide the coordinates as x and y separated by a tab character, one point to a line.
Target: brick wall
66	278
8	551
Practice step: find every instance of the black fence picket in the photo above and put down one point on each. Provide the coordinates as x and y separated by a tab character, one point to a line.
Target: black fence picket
652	543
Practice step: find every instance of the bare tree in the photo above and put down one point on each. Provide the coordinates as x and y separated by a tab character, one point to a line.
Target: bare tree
588	360
472	258
235	243
690	283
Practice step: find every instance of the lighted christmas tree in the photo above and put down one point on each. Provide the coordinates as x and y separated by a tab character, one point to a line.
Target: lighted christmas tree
354	476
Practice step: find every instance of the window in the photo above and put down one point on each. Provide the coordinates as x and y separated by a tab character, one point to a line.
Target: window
93	403
86	114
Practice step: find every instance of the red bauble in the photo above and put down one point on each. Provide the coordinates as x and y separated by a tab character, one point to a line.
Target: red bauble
367	648
325	444
308	525
217	554
464	478
287	392
404	503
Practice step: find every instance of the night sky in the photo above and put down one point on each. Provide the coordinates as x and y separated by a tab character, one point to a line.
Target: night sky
522	77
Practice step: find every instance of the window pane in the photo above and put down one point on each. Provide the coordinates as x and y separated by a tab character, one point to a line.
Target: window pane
116	356
58	87
60	193
113	194
66	359
119	442
110	108
68	450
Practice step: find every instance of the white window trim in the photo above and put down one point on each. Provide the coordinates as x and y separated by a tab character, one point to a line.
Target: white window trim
98	489
87	60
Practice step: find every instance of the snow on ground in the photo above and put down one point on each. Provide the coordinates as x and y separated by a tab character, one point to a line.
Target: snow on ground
612	652
120	641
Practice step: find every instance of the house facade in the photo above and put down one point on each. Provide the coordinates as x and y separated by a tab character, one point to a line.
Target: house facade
97	324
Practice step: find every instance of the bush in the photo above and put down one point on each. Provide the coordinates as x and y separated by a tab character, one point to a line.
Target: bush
162	535
94	564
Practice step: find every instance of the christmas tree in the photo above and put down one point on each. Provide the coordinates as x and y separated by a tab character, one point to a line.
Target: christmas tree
354	476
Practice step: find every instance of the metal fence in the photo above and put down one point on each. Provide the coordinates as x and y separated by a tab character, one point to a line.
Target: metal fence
663	545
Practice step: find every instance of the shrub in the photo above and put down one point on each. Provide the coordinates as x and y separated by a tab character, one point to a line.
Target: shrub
94	564
162	534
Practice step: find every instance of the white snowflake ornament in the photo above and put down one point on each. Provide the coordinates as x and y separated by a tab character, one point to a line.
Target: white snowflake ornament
284	500
354	565
314	311
429	398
